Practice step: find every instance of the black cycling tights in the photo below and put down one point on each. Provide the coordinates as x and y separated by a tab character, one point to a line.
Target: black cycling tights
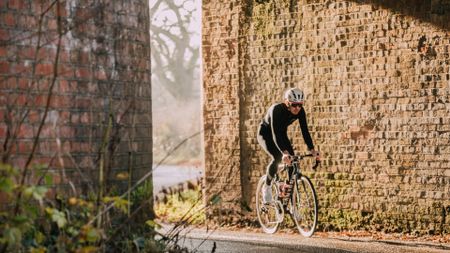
269	146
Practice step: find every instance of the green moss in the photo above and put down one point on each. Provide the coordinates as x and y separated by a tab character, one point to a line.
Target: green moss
427	217
264	15
341	219
389	221
264	18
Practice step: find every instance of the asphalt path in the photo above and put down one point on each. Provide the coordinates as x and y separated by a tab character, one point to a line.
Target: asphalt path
202	240
218	246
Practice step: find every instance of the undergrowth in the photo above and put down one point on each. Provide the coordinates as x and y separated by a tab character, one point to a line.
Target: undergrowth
36	218
185	205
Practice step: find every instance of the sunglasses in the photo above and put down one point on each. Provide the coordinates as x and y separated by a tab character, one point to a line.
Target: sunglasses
295	105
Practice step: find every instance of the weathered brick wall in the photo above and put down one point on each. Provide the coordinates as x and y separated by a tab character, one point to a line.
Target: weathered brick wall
221	111
376	76
101	87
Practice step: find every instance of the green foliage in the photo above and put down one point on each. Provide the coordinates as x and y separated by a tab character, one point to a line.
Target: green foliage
152	224
118	202
215	199
143	192
56	216
37	192
186	205
36	222
33	223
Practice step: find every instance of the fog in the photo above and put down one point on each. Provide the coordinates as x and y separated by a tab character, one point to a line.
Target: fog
175	31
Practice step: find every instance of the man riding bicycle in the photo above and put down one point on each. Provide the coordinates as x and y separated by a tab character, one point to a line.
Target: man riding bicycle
272	134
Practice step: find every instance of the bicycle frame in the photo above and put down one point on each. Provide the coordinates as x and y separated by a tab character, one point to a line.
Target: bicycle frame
287	199
293	175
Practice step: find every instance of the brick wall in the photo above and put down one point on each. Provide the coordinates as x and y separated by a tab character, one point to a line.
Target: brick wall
101	87
221	110
376	77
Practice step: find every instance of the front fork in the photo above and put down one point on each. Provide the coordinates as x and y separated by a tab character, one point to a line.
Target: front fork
290	198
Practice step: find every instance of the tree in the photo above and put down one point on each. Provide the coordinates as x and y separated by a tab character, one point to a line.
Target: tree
175	77
175	54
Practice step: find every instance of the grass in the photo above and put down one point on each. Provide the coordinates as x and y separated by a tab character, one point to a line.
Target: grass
183	206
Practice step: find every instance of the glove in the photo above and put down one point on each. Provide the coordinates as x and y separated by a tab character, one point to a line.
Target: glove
286	158
315	154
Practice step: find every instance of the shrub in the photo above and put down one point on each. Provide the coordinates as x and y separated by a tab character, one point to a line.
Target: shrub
33	221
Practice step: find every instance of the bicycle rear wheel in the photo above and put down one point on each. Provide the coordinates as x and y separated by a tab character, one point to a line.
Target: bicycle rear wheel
304	206
269	215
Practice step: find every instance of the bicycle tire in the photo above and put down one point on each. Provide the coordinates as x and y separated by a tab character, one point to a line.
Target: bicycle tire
267	213
304	206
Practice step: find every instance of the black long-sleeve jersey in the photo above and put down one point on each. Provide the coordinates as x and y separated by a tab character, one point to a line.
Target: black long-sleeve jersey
275	123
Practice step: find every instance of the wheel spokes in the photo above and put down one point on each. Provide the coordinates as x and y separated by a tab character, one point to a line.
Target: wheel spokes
268	215
304	207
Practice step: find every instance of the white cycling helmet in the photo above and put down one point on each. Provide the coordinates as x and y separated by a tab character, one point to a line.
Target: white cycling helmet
294	95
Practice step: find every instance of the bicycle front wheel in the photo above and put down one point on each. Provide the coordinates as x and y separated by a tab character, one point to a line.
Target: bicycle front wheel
304	206
268	213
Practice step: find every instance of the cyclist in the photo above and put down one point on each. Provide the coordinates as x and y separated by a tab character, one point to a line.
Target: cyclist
272	134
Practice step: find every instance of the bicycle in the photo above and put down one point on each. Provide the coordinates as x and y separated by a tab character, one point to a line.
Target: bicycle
301	204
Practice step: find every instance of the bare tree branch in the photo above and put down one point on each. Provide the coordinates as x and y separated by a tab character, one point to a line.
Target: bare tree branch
175	60
49	97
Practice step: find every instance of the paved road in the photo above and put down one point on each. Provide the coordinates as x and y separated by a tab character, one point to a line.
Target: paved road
207	246
241	242
169	175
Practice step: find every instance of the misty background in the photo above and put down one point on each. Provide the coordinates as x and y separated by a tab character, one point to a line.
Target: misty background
175	32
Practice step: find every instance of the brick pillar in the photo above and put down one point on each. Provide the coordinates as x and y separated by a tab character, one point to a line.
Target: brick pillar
221	107
101	85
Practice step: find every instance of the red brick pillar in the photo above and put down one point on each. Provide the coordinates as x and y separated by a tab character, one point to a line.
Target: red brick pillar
98	95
